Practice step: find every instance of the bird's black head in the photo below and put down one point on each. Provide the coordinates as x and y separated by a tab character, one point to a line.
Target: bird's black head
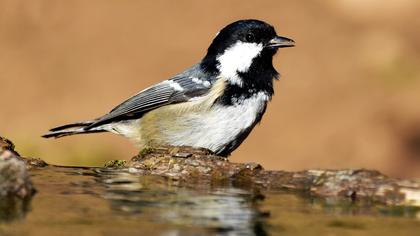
244	46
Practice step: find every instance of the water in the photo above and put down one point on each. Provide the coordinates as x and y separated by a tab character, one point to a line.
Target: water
95	201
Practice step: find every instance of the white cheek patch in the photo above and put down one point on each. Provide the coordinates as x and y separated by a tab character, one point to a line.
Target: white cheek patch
237	58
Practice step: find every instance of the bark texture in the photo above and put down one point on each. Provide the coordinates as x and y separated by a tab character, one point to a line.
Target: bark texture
197	165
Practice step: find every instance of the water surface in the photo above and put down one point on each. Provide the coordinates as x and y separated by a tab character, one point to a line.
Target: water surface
98	201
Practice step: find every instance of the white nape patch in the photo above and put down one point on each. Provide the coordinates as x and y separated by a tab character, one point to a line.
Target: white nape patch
237	58
215	128
205	83
174	85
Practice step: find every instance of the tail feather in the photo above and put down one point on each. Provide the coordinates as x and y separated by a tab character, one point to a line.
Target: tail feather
71	129
77	124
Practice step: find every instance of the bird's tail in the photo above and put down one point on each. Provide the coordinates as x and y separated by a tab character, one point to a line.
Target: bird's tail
71	129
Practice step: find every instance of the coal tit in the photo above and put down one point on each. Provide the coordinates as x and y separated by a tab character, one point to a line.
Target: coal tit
214	104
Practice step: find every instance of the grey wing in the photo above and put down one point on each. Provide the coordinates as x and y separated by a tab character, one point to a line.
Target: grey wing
178	89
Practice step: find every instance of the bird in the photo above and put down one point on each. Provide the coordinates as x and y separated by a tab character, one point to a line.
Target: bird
214	104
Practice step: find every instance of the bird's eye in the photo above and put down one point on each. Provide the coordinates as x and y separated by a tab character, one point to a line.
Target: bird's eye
249	37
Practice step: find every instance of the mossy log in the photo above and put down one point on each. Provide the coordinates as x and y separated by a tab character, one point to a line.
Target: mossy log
200	166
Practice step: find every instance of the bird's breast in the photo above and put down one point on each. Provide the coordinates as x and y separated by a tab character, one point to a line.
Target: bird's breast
212	127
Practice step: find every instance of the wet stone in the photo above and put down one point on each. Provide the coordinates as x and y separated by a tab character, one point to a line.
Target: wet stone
14	177
7	150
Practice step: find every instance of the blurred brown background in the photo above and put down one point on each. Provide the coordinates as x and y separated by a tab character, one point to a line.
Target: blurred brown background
348	97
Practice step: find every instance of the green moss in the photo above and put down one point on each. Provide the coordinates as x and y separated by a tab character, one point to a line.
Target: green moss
146	151
115	164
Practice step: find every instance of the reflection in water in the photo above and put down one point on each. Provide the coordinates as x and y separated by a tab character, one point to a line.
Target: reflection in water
229	211
13	208
97	201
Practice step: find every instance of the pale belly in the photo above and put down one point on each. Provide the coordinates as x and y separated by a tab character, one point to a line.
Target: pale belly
216	128
213	130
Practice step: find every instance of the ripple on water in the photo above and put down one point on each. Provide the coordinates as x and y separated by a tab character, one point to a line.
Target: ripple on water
99	201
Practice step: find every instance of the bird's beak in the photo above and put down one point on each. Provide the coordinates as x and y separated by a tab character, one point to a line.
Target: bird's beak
280	42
